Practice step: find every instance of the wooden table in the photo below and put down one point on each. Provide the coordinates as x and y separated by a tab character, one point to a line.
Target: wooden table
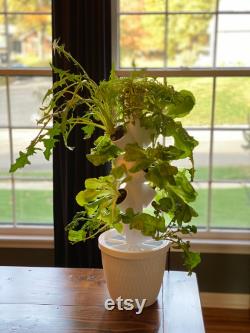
65	300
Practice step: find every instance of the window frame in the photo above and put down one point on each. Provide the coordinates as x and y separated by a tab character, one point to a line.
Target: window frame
41	236
12	234
207	239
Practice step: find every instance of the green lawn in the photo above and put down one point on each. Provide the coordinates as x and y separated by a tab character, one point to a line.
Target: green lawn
232	100
230	207
32	206
22	173
224	173
219	173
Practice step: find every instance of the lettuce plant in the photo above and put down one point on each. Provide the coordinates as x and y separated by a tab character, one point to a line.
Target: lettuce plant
75	99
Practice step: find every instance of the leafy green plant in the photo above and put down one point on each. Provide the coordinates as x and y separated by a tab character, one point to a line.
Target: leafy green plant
75	99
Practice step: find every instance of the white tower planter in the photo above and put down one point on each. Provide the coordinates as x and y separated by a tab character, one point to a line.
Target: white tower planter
133	264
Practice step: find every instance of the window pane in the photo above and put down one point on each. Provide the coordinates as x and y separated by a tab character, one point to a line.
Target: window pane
39	168
202	90
5	183
230	206
3	102
142	40
142	5
190	40
34	202
200	204
30	40
232	101
239	5
4	153
233	40
26	99
231	158
193	5
3	42
201	155
29	6
5	201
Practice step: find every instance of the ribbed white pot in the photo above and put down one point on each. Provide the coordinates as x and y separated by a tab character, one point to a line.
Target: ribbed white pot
132	274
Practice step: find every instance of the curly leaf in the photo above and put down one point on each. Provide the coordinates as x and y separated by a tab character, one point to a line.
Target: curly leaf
184	102
23	158
191	260
103	151
84	197
75	236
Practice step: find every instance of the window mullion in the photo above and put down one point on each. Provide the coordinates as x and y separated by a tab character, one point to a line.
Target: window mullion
13	192
211	146
211	151
216	34
166	35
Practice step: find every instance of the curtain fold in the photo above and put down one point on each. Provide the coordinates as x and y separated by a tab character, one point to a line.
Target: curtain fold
84	27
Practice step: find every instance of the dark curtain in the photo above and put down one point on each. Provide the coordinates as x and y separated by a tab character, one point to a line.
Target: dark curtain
84	27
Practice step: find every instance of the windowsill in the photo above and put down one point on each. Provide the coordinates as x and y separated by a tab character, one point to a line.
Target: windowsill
204	242
221	246
41	237
26	241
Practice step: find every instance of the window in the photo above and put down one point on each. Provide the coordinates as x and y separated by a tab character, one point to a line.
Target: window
203	46
25	53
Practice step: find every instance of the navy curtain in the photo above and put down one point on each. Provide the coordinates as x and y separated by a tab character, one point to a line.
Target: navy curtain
84	27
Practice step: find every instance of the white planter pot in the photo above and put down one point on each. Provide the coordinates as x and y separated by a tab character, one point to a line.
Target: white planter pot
132	274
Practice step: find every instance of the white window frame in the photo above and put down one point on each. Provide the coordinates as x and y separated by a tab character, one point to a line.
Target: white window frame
218	241
13	235
208	239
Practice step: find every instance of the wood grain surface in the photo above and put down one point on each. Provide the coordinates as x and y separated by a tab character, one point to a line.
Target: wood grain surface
71	300
226	320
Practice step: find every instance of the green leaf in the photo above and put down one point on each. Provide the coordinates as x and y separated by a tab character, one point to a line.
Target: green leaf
184	141
92	183
134	152
191	260
118	227
165	204
84	197
184	188
75	236
21	161
127	217
161	175
118	172
49	144
88	131
103	151
49	139
183	103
